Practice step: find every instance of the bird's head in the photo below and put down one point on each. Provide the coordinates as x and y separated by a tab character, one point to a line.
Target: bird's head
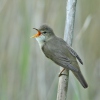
44	33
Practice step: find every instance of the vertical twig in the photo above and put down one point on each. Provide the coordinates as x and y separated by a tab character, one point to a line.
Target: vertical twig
68	37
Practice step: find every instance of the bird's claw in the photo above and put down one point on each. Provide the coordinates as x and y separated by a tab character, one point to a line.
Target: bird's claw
61	74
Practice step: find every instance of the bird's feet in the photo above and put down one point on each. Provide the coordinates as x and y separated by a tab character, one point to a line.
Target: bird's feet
61	73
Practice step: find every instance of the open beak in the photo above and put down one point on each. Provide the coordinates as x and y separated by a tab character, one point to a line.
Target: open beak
37	34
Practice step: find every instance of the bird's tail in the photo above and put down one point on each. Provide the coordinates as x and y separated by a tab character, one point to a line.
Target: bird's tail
81	79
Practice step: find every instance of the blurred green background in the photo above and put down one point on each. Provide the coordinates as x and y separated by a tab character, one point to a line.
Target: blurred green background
25	73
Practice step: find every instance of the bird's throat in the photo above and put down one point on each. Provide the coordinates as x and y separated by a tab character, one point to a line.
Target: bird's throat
41	40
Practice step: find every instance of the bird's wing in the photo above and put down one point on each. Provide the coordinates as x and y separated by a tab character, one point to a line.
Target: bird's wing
74	54
56	54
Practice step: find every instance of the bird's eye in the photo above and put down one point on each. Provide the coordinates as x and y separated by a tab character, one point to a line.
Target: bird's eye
44	32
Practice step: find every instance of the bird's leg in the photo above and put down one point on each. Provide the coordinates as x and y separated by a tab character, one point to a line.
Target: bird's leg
61	73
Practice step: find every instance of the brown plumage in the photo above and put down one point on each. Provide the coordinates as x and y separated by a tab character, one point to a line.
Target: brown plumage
59	52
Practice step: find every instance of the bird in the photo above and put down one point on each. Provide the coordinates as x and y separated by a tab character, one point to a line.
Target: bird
56	49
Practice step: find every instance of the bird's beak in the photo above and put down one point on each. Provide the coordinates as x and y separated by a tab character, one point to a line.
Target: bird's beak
37	34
